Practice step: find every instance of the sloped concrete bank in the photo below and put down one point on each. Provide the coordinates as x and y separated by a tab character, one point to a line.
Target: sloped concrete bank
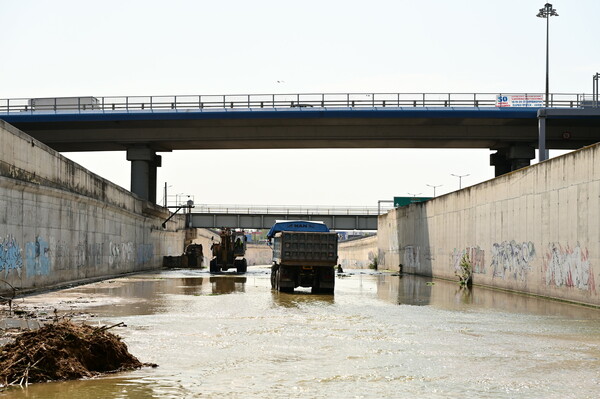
535	230
60	223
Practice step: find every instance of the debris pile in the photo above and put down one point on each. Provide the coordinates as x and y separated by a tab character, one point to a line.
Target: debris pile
64	350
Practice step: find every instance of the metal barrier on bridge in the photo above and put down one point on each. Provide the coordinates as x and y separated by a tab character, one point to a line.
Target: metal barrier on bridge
90	104
264	216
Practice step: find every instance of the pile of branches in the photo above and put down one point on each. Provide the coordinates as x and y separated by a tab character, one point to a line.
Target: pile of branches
64	350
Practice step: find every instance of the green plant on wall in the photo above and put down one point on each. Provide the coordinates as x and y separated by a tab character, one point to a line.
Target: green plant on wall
373	264
465	271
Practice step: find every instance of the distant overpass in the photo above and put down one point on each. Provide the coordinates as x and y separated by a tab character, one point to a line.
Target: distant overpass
263	217
143	126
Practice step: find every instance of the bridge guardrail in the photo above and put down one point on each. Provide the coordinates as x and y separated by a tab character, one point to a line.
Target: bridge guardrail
89	104
290	210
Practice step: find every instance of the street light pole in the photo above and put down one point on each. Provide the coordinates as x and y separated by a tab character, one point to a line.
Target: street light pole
595	89
430	185
547	12
414	195
459	179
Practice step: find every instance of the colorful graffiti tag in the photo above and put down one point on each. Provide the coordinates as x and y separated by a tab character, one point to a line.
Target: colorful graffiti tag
10	256
37	255
144	253
568	267
512	260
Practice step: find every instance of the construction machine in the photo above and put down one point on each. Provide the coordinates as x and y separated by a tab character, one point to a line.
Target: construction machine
229	252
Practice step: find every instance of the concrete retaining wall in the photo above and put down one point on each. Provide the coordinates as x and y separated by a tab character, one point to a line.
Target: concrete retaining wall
60	223
259	254
358	254
535	230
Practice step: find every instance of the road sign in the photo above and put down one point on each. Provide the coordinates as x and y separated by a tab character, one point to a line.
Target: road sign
404	201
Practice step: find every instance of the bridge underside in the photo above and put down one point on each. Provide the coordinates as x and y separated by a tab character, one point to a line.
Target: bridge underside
513	133
265	221
313	128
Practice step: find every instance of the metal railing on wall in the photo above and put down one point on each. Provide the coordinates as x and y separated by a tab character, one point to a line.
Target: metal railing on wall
272	101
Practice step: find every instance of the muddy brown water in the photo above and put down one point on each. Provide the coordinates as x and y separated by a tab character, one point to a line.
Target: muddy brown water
379	336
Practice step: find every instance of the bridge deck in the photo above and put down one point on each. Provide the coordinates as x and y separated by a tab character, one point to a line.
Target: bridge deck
264	216
375	120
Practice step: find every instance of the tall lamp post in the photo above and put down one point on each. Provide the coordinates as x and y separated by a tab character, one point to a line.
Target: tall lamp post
547	12
431	185
459	179
595	89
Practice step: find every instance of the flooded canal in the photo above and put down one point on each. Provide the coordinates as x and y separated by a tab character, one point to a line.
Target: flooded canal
379	336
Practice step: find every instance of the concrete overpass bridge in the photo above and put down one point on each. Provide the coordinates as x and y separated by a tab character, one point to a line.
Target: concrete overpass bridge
263	217
145	126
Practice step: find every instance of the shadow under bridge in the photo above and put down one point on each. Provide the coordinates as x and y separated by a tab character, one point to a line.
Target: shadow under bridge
263	217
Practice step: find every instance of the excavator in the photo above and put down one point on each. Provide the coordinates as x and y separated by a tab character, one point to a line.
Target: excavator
229	252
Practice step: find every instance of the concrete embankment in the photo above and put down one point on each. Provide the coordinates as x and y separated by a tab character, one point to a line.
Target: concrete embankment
259	254
534	230
358	254
60	223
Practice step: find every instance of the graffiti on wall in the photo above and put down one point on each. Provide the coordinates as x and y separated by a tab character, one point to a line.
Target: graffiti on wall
121	254
411	257
60	254
512	260
11	259
475	255
568	267
87	254
429	253
37	255
144	253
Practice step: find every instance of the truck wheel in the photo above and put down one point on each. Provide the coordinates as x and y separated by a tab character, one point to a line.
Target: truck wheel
279	287
242	266
274	277
214	268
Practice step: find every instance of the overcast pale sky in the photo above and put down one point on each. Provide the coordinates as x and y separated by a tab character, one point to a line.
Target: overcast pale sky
129	47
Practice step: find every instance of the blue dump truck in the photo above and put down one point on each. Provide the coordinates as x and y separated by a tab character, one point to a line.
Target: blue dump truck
304	255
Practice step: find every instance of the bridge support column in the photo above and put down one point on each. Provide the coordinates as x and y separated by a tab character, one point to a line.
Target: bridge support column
144	162
500	163
511	158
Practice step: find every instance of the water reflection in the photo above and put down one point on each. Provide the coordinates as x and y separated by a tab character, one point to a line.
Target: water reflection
443	294
300	298
227	285
105	387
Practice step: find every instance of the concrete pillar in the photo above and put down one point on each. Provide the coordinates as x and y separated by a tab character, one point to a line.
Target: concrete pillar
520	156
543	152
500	163
144	162
511	158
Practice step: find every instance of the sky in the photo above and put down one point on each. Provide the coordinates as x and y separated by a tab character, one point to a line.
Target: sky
63	48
